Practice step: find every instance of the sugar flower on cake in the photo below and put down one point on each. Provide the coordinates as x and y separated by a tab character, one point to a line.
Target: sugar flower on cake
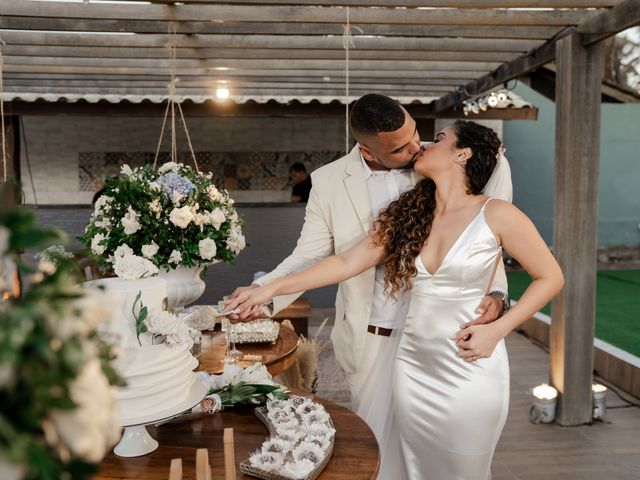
176	208
133	267
161	323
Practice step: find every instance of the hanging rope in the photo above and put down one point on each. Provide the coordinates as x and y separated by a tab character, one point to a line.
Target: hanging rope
3	139
171	107
348	44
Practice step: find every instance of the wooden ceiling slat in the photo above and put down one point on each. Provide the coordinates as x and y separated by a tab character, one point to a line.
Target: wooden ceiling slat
261	53
276	14
232	64
254	28
268	41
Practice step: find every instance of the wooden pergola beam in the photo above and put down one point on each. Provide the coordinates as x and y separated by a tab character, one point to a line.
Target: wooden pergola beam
284	28
225	109
277	14
254	53
605	24
416	3
267	41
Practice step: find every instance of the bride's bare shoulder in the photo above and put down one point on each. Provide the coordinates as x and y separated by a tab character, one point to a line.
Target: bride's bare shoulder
502	212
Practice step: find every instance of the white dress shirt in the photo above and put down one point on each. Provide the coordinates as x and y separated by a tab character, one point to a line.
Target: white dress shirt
384	187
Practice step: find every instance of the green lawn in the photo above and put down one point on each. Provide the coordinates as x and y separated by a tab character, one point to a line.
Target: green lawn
617	306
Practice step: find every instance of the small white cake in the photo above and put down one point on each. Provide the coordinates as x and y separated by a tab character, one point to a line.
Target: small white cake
158	376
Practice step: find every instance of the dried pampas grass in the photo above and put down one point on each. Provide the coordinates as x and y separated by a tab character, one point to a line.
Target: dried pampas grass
303	374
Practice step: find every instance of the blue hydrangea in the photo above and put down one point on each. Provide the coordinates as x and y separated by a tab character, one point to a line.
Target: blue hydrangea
172	182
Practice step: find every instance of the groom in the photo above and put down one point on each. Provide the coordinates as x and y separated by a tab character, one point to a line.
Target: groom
347	195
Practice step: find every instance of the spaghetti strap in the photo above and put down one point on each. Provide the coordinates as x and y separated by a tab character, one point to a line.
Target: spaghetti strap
485	203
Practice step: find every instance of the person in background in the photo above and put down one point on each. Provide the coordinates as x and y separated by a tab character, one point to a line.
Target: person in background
301	183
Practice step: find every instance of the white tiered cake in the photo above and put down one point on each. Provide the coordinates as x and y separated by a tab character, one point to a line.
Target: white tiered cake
159	377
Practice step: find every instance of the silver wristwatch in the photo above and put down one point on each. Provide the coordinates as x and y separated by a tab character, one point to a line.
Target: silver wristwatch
506	302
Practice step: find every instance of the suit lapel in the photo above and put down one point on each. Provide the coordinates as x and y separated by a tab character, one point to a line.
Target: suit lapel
356	187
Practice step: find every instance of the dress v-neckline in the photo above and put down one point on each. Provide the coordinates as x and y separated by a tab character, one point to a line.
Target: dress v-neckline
453	245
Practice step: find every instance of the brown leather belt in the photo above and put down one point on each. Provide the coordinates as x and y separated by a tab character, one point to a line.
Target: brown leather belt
385	332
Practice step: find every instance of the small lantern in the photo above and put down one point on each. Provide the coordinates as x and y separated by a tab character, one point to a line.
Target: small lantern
544	404
599	401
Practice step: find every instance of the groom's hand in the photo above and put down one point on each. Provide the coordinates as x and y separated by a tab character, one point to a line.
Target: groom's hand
251	314
490	309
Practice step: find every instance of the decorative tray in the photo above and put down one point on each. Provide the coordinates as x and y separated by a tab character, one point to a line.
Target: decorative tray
282	473
258	331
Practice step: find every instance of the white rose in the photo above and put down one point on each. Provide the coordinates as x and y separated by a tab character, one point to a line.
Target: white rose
214	194
133	267
175	257
126	170
215	218
104	223
181	217
130	221
122	251
256	374
103	201
155	186
150	250
96	247
169	167
207	248
232	374
236	241
90	429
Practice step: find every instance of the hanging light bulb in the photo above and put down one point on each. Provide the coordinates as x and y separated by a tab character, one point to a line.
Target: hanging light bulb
502	97
483	104
473	105
492	100
222	92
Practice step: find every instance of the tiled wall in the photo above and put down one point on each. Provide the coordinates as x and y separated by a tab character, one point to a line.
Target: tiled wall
69	156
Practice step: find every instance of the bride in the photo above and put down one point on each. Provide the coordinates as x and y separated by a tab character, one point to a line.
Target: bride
439	243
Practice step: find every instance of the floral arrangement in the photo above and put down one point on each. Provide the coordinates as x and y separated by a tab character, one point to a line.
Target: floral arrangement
252	385
301	440
58	408
163	326
171	217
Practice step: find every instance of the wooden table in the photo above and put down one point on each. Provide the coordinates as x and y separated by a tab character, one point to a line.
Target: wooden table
277	357
355	454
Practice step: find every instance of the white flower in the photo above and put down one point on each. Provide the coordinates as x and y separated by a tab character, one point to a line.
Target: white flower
122	251
175	257
4	240
298	470
207	248
308	451
181	217
214	194
155	206
95	311
169	167
215	218
176	197
150	250
9	470
126	170
236	241
130	221
103	201
257	374
89	430
155	186
96	247
133	267
47	267
104	223
212	382
232	374
161	322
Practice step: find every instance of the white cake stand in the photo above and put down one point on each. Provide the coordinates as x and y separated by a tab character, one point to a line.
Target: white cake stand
136	440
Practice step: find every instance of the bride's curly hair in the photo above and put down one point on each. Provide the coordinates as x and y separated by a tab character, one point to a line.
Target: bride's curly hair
405	224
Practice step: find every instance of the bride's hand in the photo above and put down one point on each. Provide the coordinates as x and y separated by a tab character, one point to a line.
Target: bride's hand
477	341
247	299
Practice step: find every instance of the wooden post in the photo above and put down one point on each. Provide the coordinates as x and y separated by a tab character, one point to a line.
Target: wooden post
203	469
575	238
229	455
175	470
9	191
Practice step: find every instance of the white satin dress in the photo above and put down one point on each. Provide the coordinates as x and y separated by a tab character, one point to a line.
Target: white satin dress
449	413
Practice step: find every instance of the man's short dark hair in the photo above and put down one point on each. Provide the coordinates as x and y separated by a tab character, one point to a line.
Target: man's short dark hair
373	114
298	167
